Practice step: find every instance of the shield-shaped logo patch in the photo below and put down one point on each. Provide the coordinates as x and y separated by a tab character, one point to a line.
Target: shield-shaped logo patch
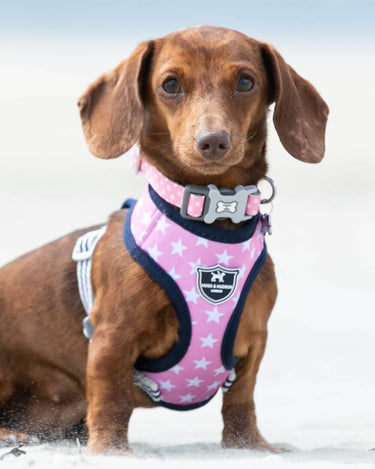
216	284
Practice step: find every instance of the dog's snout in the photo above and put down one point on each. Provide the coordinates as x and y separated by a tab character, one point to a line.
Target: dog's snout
213	144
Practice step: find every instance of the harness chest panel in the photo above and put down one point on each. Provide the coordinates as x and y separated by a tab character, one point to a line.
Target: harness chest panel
207	273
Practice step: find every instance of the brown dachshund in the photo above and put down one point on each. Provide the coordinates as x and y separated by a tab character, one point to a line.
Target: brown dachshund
196	101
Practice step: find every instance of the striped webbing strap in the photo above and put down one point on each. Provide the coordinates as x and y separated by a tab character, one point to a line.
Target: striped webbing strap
82	254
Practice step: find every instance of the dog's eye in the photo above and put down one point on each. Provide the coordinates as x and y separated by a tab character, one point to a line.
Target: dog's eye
244	83
171	86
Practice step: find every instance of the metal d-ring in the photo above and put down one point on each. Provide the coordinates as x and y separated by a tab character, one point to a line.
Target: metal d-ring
272	184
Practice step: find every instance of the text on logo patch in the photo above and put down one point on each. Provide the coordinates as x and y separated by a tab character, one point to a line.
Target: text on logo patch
216	284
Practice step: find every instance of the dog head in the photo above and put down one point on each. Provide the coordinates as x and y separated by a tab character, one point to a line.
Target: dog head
197	102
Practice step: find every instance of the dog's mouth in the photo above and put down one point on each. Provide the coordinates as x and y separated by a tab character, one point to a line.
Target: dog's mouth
217	166
210	167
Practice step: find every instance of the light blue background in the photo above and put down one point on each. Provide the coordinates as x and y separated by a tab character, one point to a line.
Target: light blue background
311	18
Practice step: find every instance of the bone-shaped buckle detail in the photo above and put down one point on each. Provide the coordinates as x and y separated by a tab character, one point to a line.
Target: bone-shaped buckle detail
226	203
230	207
219	203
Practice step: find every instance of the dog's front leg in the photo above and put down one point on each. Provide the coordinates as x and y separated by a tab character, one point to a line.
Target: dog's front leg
109	390
240	426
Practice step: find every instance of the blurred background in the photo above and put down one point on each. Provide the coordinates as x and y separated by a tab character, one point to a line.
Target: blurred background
316	385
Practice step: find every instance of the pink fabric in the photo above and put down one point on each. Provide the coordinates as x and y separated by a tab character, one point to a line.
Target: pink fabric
252	207
173	192
180	253
195	205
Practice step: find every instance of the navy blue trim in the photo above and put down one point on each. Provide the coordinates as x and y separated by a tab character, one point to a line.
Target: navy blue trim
229	361
213	233
128	203
185	407
175	296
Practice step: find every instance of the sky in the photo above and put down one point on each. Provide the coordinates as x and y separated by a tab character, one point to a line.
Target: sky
353	18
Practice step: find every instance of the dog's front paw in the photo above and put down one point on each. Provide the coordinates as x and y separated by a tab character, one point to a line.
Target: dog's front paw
270	448
107	444
256	443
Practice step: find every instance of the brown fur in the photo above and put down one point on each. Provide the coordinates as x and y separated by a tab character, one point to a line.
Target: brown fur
47	369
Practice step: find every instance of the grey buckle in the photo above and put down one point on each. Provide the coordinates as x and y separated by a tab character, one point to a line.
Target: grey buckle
219	203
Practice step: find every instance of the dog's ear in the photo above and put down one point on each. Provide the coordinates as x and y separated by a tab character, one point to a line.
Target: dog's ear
112	110
300	113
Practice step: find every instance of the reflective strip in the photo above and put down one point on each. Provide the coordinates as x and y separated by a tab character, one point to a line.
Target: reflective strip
82	254
230	380
147	385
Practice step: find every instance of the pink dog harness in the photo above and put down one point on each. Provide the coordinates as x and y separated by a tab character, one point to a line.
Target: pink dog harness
206	271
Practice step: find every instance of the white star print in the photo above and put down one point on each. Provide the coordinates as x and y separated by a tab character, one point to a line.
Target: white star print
214	315
235	299
178	248
154	253
174	275
212	386
219	371
194	265
246	245
224	257
202	242
146	219
252	253
187	398
242	272
176	369
192	295
162	225
203	363
143	234
208	341
167	385
194	382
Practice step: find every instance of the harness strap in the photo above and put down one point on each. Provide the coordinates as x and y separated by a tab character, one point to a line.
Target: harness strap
148	386
230	380
82	254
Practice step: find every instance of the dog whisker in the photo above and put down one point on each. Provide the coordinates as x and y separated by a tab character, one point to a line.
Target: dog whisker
250	137
154	134
164	146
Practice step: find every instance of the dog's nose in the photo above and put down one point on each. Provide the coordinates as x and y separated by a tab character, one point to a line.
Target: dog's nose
213	144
